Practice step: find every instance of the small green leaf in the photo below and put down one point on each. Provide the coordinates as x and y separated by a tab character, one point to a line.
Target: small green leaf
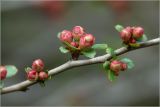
58	35
63	50
106	65
143	38
50	77
134	45
28	69
42	83
1	84
111	75
129	62
110	51
119	28
100	46
70	46
11	70
89	53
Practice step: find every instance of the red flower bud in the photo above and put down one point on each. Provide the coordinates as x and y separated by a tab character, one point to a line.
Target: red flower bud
66	36
43	75
116	73
38	65
132	40
74	44
115	66
138	32
125	35
77	32
124	66
32	75
3	72
86	41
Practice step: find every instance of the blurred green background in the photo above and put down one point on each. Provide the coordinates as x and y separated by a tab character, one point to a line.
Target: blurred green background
29	31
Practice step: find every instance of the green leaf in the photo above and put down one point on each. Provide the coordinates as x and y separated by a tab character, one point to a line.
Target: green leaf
1	84
134	45
63	50
111	75
50	77
42	83
119	28
28	69
143	38
129	62
110	51
100	46
11	70
106	65
89	53
70	46
58	35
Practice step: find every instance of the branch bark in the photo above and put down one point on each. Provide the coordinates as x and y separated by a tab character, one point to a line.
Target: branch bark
23	86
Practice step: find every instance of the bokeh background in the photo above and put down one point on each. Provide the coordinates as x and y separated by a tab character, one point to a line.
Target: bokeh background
29	31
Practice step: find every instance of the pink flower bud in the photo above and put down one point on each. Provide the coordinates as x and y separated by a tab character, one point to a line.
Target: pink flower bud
38	65
32	75
125	35
130	29
138	32
66	36
77	32
124	66
74	44
43	75
86	41
115	66
3	72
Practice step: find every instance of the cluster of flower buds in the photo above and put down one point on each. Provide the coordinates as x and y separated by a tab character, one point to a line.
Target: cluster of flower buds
77	38
116	66
3	72
131	34
37	72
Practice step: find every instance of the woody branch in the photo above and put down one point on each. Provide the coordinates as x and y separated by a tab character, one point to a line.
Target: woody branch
22	86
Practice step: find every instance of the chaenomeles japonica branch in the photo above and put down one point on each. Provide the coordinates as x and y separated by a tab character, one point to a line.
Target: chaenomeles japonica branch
23	86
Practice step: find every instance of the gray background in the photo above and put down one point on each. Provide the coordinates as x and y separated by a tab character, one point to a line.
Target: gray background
28	33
